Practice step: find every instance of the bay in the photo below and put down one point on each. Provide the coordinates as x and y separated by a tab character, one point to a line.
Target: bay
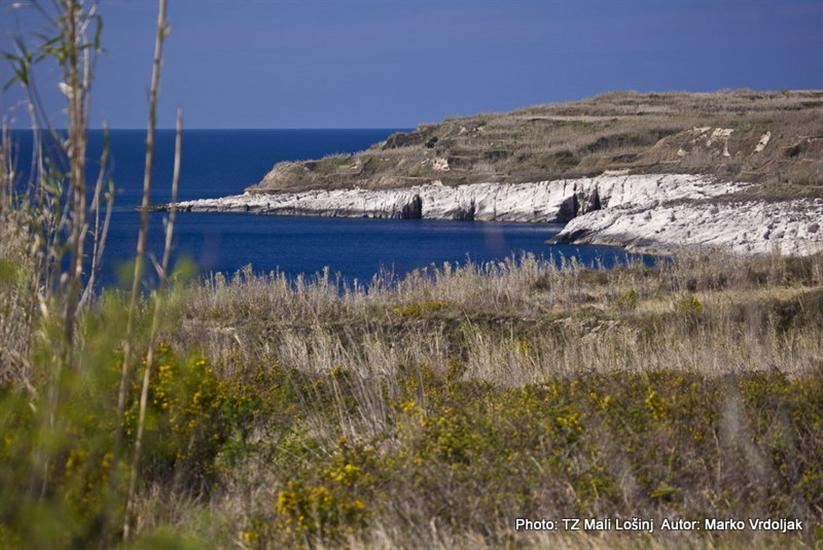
224	162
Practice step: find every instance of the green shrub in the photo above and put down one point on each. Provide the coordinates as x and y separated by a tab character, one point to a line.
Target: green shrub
688	304
627	301
186	418
419	309
330	501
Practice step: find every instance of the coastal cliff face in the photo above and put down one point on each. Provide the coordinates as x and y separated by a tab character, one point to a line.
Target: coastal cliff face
641	212
740	170
791	228
540	202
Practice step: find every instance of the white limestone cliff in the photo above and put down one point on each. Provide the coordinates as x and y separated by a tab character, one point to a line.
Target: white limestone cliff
641	212
792	228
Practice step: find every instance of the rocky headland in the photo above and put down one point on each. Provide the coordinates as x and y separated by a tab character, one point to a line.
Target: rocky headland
650	172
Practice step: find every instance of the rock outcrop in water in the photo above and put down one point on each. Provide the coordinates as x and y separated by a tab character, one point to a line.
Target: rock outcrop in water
672	170
640	212
748	227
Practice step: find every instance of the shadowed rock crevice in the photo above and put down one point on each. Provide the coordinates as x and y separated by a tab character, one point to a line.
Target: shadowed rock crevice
413	210
465	214
568	209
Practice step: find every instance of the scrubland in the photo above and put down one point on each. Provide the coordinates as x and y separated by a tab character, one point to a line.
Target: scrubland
434	410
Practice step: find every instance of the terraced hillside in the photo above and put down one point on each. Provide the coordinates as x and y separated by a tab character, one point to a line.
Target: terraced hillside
774	138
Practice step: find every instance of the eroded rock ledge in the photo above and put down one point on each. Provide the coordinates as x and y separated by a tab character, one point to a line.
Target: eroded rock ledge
653	213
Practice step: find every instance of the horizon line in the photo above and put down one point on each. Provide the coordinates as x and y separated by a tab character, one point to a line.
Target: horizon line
308	128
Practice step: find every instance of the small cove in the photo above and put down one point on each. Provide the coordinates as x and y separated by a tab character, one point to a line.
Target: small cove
223	162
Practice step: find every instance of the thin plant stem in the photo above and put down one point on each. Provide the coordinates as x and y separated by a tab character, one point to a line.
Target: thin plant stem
77	163
155	325
162	32
73	32
99	234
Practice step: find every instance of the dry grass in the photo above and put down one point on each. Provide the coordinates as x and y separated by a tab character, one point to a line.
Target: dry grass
17	299
632	318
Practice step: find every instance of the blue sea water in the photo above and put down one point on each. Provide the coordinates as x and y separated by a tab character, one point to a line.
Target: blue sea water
224	162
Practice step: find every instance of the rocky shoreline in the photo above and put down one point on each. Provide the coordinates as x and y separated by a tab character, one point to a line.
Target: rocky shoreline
651	213
739	170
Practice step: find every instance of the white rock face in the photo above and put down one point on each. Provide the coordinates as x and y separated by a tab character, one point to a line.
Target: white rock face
792	228
641	212
764	140
545	201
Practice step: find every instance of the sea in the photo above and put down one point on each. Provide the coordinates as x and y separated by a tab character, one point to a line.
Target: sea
216	163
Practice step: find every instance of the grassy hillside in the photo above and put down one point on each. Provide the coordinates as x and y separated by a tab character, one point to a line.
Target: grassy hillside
771	137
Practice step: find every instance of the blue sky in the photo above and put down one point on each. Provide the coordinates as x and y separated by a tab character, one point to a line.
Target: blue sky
392	63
